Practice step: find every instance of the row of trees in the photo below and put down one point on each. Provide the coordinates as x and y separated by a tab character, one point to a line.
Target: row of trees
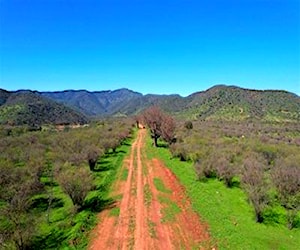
34	164
251	157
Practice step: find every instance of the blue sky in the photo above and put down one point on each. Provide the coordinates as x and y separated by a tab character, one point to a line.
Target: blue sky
176	46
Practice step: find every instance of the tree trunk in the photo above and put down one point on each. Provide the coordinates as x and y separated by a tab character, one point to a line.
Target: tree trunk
92	164
155	138
259	216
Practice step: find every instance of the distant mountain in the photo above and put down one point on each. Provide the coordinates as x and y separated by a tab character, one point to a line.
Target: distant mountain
121	102
217	103
27	107
99	103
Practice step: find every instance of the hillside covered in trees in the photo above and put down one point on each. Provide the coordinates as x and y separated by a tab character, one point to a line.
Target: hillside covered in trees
29	108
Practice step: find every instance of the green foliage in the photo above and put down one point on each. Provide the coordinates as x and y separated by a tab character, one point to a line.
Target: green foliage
169	208
124	174
114	212
275	216
160	186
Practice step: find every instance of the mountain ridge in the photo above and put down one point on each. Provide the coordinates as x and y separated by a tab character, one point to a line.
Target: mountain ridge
220	102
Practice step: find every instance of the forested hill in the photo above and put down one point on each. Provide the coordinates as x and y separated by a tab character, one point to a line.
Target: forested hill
234	103
29	108
217	103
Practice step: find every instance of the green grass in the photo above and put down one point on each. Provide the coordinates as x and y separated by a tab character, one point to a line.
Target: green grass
169	210
124	174
118	197
160	186
115	212
147	195
230	217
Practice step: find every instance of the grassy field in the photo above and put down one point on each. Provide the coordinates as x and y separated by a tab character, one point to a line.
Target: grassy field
230	217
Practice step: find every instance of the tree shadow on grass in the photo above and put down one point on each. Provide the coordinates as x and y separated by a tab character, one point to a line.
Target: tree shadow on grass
97	204
49	241
41	204
121	152
102	167
126	144
162	145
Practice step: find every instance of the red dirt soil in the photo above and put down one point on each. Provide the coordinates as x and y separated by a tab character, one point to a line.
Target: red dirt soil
140	224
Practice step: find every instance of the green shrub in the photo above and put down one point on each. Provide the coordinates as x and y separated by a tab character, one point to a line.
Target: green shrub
274	216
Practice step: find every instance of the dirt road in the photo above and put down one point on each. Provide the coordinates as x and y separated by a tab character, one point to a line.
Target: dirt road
153	211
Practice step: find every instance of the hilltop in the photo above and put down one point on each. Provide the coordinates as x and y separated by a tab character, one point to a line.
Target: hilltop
233	103
29	108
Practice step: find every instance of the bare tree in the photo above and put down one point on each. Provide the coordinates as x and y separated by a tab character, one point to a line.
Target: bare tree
225	170
160	124
168	129
75	182
286	177
19	185
93	153
255	186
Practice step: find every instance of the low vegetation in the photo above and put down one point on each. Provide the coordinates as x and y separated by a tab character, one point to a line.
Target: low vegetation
228	212
242	176
53	183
